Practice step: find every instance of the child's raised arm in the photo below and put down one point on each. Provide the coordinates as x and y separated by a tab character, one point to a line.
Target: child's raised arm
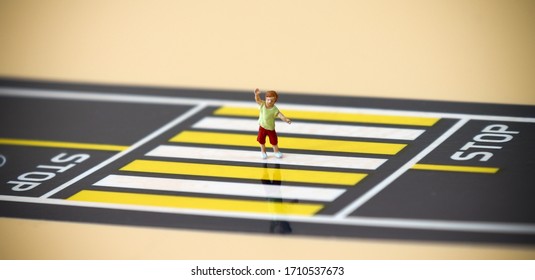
257	96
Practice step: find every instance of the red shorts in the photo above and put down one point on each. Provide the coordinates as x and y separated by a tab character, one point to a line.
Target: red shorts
262	133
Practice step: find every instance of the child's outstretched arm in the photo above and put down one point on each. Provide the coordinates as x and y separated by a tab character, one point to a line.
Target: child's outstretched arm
257	97
282	117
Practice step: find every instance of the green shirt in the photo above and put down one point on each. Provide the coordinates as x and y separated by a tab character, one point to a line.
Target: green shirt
267	116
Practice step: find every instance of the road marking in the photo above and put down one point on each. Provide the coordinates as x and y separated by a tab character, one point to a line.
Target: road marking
332	116
230	139
455	168
60	144
254	157
141	142
271	207
244	172
221	188
233	124
350	208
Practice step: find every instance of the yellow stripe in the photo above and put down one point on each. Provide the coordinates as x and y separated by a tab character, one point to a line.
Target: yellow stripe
455	168
58	144
216	138
244	172
218	204
333	116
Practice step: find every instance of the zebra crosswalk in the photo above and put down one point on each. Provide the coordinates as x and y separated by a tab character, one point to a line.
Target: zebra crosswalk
213	164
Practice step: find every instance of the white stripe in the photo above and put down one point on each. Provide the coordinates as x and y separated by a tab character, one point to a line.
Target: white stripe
233	124
254	157
221	188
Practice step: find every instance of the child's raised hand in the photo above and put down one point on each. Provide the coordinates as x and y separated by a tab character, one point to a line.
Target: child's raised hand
256	91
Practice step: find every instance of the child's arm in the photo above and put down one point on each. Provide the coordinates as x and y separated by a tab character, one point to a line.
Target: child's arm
282	117
257	97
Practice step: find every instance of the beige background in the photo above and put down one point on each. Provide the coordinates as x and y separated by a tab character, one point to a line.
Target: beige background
476	51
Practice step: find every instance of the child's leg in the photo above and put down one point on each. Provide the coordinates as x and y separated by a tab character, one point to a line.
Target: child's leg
261	138
274	140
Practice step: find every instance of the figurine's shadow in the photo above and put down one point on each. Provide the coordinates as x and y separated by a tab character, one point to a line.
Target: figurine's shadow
274	197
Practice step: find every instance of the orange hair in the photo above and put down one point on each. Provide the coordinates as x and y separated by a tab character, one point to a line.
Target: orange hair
272	93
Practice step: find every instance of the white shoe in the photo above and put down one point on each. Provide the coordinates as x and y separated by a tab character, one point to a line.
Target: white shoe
264	156
278	155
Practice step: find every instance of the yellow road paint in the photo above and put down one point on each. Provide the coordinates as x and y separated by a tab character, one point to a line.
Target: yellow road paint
231	139
217	204
456	168
59	144
333	116
245	172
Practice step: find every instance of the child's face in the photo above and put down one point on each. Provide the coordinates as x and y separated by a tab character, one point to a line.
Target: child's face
270	100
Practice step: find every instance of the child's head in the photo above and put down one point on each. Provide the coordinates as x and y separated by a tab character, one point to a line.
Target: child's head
272	94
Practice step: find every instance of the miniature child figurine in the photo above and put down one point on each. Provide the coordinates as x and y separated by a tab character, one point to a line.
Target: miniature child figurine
268	113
